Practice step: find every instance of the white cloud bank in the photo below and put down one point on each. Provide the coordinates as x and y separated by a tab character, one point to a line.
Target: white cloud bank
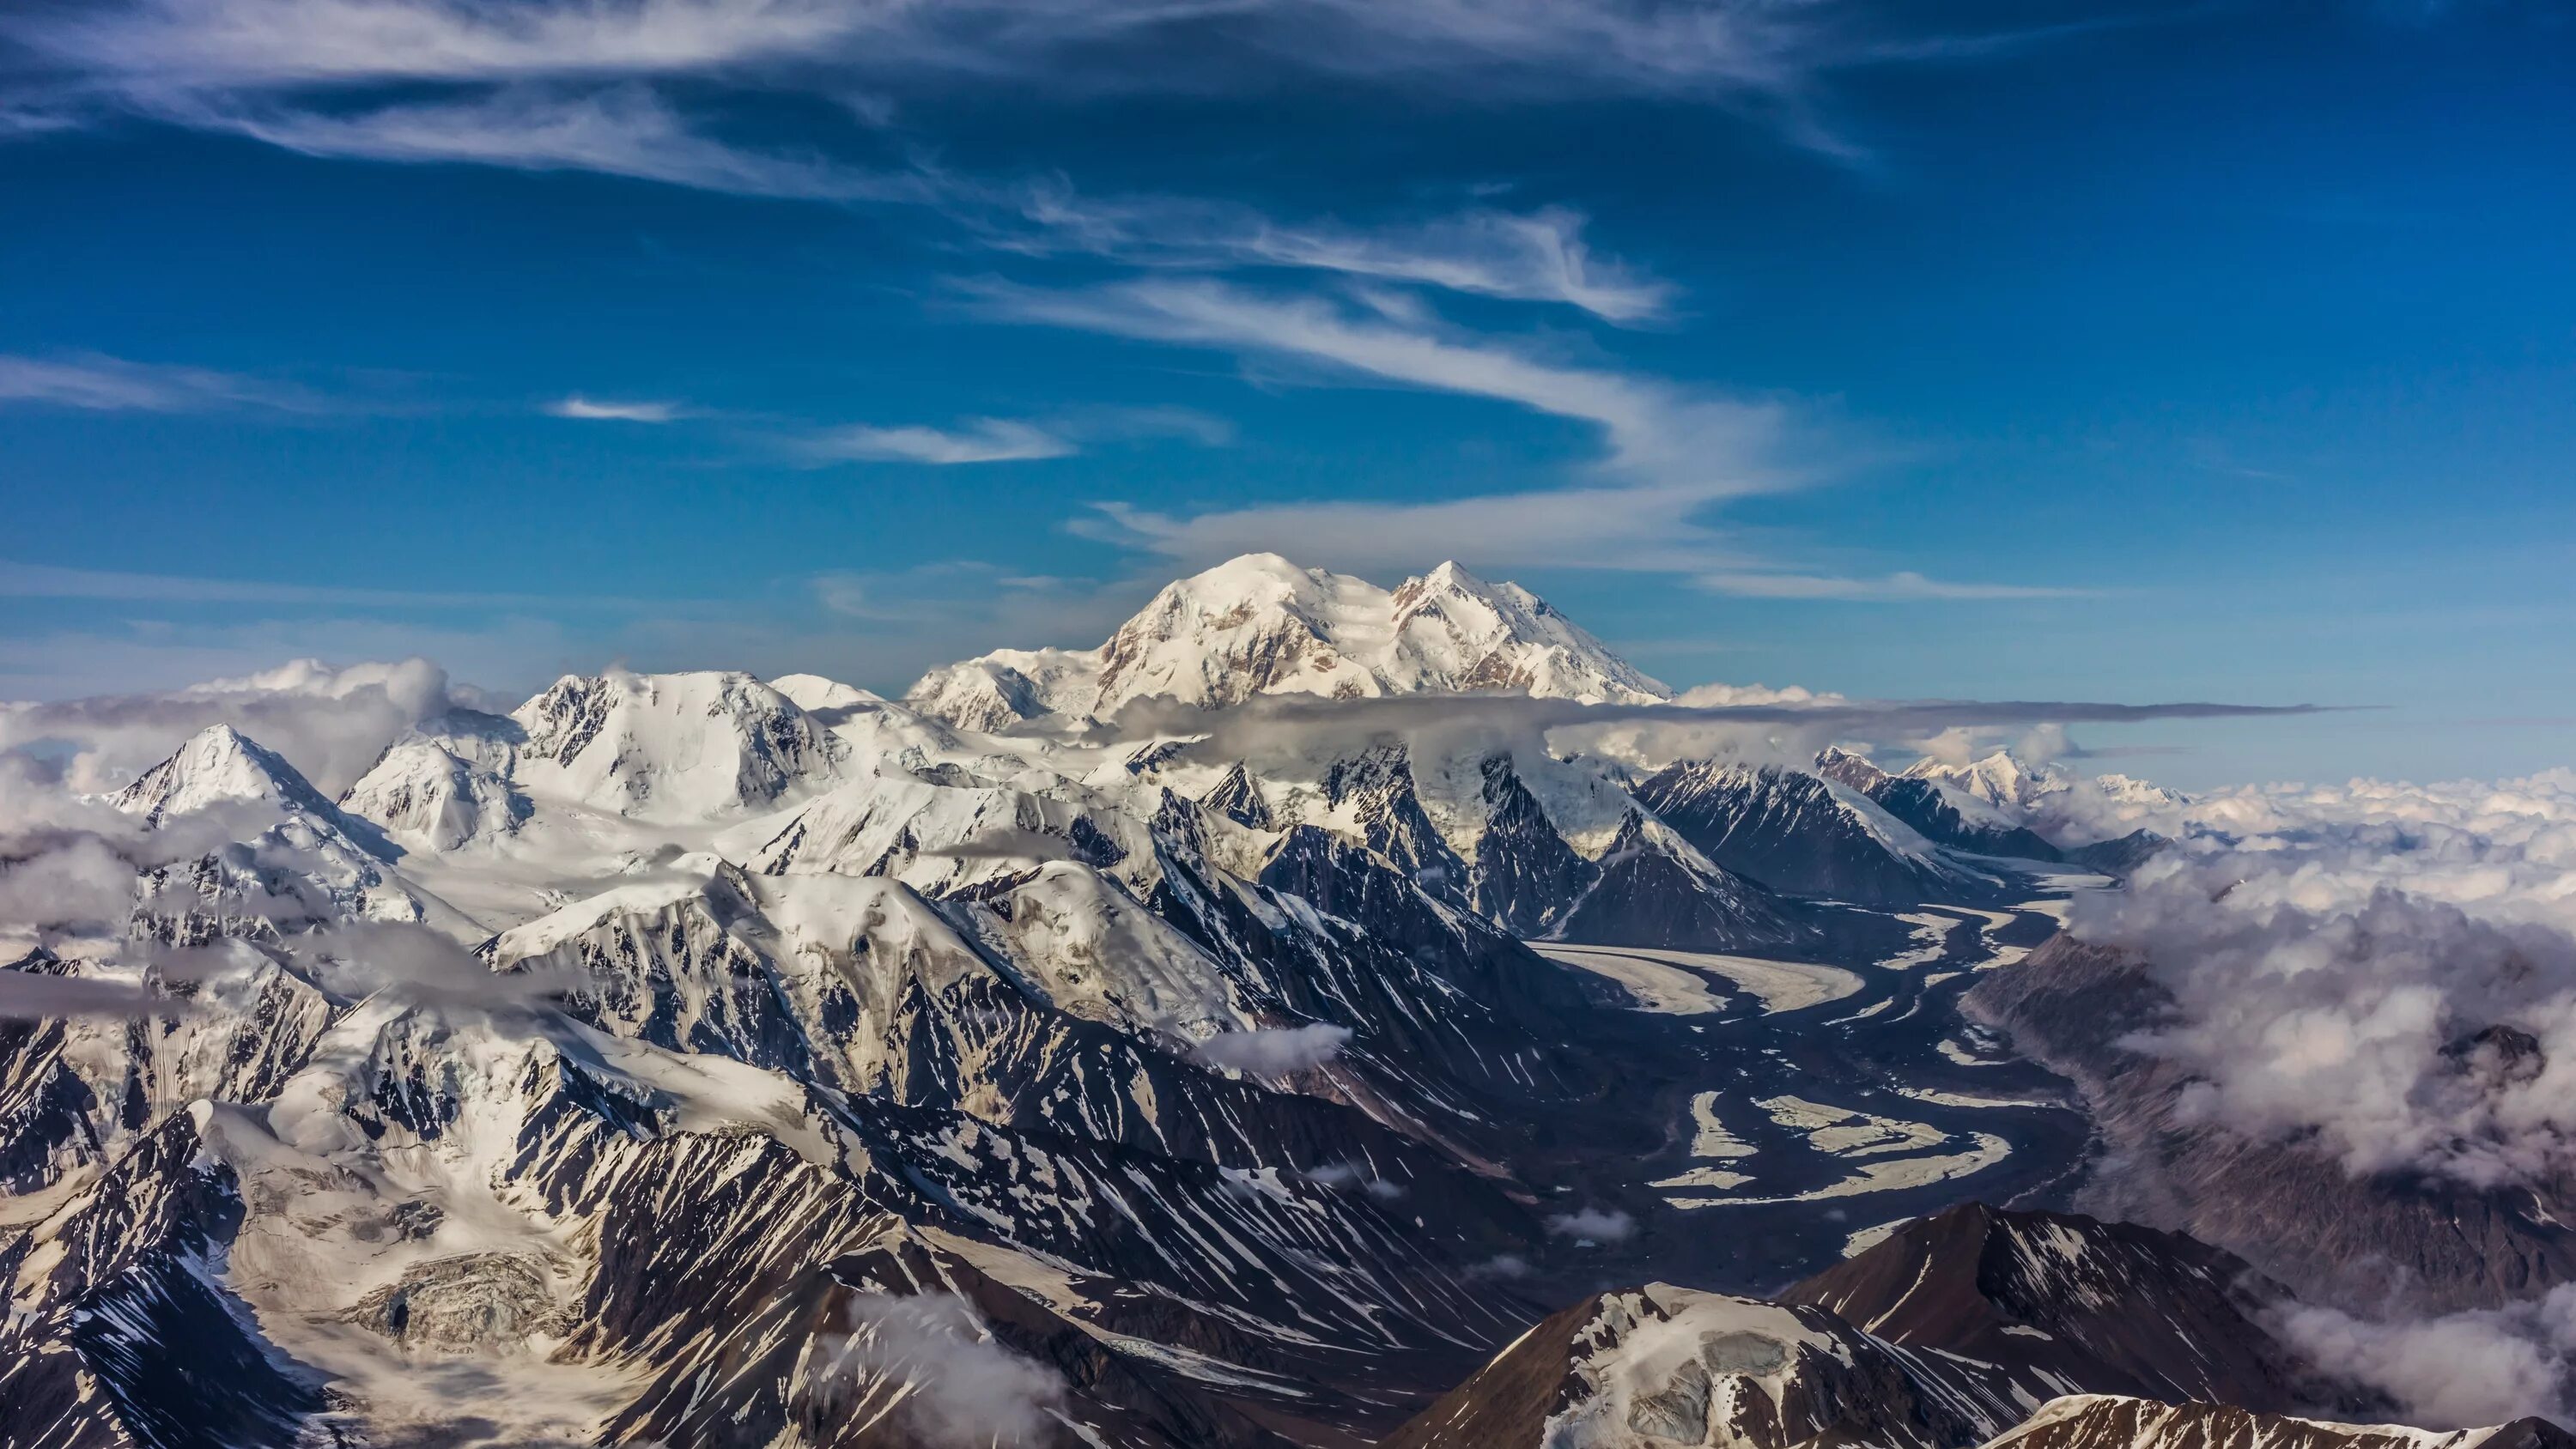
331	724
2390	967
2462	1370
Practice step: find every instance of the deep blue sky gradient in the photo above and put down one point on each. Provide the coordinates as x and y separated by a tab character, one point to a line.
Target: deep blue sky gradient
2253	327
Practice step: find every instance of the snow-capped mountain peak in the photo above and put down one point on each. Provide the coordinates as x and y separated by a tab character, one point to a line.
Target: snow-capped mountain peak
1259	624
220	764
424	791
1999	779
671	746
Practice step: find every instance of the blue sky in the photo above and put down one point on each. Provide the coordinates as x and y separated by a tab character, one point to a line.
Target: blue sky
2148	352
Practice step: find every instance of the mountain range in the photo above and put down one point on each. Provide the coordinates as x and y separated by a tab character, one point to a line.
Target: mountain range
1065	1053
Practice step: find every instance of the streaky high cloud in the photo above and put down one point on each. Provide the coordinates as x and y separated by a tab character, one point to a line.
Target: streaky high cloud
577	84
1652	428
624	131
979	440
1673	453
1901	587
1536	256
50	581
266	43
110	384
1643	528
587	409
1706	47
1012	440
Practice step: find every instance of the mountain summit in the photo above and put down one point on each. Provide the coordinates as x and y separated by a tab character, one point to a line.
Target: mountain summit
1261	625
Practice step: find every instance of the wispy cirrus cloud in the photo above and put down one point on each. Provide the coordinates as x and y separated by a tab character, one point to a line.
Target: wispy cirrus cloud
625	130
1674	455
1011	440
978	440
628	130
1534	256
95	383
49	581
604	410
1895	588
1653	429
1637	528
1708	47
585	84
198	44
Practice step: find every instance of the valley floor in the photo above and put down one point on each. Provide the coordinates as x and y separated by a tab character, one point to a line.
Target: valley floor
1788	1113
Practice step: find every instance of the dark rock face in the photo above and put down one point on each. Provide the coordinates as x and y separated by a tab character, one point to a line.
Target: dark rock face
2068	1005
1238	798
1525	875
1790	831
1377	787
1919	803
2114	1307
1650	893
128	1339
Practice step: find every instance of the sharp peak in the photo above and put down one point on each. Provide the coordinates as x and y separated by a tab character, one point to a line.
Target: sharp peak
222	741
1452	573
211	757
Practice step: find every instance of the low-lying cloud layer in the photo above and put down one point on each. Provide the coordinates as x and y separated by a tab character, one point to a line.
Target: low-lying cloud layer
2485	1366
2389	967
1790	721
331	724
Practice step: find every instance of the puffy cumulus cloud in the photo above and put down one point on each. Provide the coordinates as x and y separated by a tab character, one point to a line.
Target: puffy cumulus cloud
953	1384
1274	1053
330	723
2387	969
2484	1366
